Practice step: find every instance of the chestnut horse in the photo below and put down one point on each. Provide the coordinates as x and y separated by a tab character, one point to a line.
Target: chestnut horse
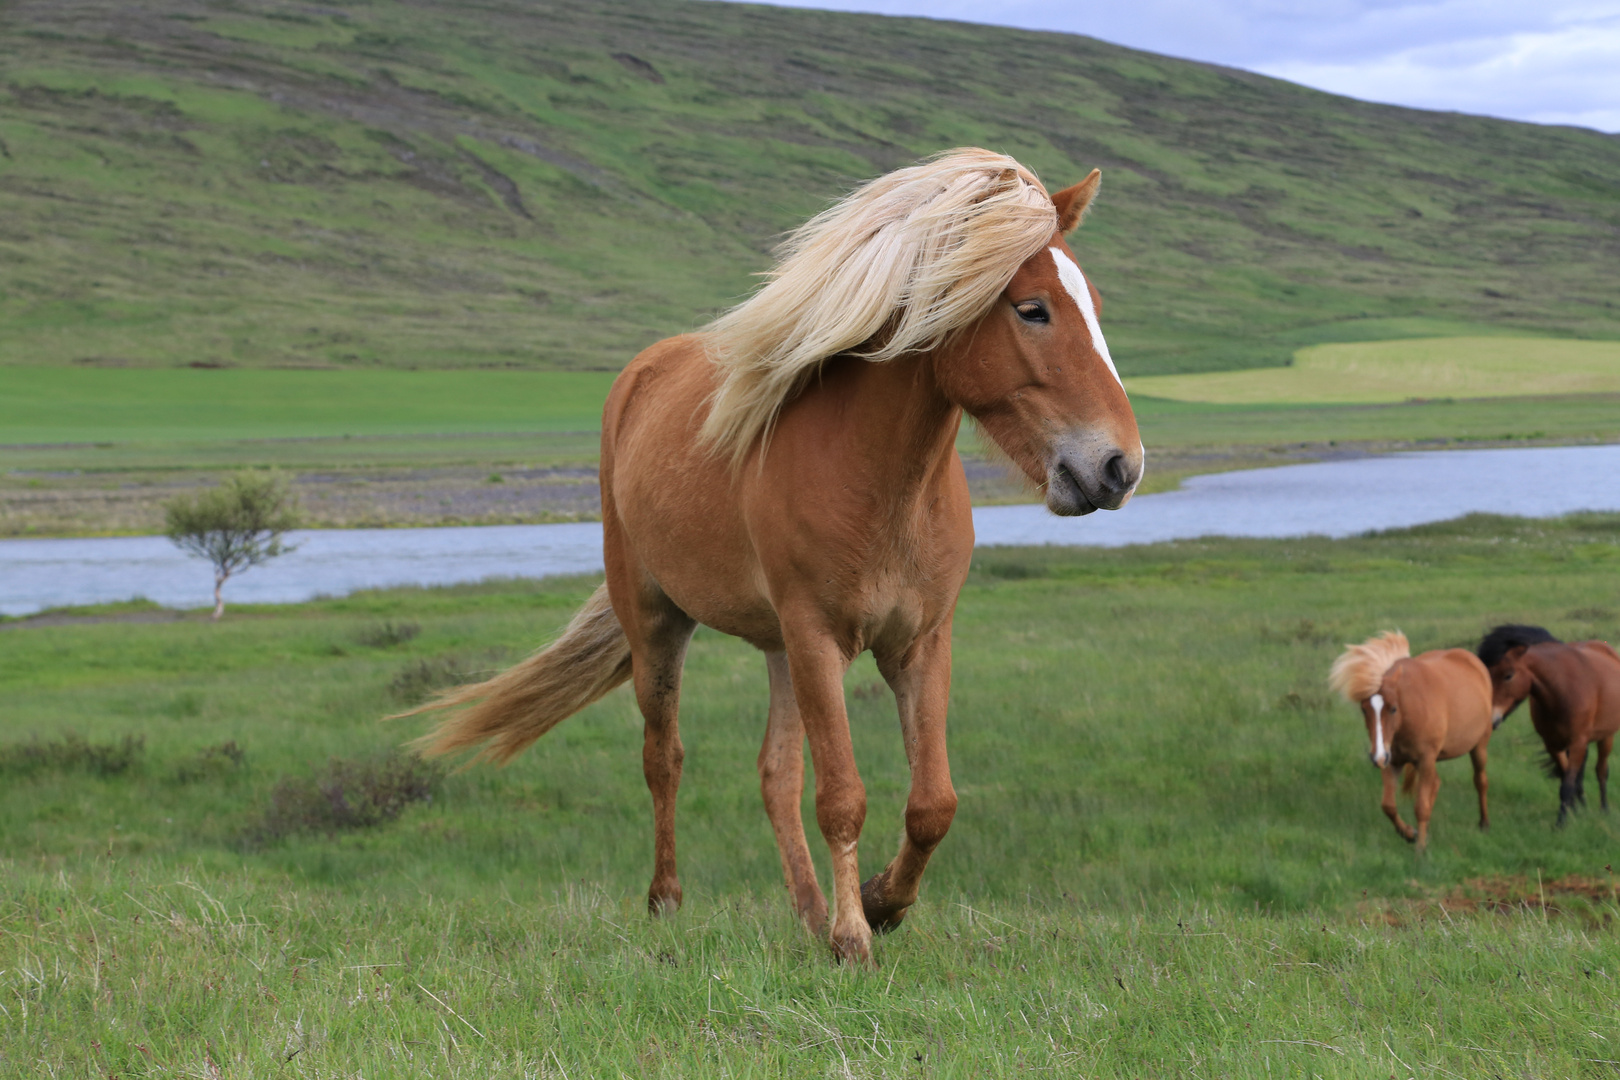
1574	693
1419	710
789	476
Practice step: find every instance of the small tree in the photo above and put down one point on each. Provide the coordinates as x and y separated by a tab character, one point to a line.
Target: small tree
234	526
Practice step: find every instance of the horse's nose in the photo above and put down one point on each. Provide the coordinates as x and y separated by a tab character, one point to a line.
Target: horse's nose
1120	474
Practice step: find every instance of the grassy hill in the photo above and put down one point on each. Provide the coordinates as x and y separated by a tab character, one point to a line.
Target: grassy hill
554	185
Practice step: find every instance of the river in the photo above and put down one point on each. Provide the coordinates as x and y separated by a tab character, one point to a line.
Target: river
1337	498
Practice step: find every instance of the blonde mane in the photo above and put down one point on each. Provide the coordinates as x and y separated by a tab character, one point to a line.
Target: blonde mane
891	269
1359	670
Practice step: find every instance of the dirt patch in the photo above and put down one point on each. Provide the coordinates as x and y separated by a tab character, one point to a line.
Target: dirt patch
1593	898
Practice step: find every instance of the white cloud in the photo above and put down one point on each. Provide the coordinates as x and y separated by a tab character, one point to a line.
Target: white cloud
1557	62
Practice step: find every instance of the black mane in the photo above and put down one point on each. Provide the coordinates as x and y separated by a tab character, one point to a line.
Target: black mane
1502	638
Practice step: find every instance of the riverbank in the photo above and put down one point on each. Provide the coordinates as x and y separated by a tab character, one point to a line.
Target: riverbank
550	488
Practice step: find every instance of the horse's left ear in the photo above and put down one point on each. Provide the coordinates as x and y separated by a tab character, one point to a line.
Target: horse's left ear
1072	202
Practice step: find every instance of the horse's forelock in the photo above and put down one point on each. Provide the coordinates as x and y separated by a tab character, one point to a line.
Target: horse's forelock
1496	644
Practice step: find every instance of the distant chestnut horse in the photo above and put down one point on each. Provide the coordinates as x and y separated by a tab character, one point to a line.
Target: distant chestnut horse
1419	710
1574	693
789	475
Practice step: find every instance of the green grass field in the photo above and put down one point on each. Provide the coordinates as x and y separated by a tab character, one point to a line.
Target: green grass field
1390	371
555	185
1168	859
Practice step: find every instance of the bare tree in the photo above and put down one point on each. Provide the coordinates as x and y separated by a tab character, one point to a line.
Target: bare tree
234	526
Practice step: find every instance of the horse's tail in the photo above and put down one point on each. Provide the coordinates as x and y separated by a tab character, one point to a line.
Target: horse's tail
1408	779
510	711
1359	670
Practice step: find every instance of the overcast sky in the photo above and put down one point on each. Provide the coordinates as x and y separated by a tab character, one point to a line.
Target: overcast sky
1547	61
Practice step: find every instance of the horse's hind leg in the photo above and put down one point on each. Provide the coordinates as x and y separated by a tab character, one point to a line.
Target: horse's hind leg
781	782
922	686
1393	811
659	633
1569	790
1602	771
1481	783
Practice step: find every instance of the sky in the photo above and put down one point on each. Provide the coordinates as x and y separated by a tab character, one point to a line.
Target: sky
1545	61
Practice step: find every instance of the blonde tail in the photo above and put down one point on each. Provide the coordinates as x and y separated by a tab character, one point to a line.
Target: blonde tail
510	711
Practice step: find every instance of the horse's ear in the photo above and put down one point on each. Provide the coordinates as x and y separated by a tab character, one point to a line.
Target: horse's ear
1072	202
1515	652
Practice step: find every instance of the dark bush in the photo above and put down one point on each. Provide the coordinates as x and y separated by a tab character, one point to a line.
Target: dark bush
387	634
348	794
417	681
211	763
71	753
1012	571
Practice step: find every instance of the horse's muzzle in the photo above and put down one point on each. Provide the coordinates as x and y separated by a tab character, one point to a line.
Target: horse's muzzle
1085	476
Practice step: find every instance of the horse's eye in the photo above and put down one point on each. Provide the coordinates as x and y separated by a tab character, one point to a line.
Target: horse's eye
1393	710
1032	311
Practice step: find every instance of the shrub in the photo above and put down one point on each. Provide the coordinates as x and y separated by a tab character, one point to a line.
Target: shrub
211	763
71	753
417	681
348	794
387	634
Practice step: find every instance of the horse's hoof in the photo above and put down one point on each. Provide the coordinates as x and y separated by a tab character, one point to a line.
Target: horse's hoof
662	902
853	948
881	914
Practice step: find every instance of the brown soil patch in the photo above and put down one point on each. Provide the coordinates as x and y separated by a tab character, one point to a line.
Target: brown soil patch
1594	898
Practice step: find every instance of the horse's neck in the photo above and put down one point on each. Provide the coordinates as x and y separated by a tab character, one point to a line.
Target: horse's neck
906	428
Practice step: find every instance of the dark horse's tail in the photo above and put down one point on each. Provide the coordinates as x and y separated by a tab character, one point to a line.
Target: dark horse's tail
507	713
1494	645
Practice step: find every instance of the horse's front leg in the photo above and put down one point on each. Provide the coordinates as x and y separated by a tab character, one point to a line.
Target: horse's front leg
1391	810
781	782
1482	783
922	686
817	665
1602	772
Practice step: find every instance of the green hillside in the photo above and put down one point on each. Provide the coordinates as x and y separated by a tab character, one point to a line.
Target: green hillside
557	184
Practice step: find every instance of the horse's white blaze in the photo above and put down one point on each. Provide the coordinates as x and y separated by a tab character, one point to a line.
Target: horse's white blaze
1379	754
1074	283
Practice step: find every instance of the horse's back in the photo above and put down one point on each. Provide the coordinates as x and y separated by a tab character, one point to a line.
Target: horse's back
1603	664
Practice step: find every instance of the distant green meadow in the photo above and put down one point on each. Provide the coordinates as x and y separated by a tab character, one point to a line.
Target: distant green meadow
1168	858
64	405
151	413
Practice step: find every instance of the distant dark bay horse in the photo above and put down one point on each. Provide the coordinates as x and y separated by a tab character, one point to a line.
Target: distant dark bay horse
1419	710
789	476
1574	693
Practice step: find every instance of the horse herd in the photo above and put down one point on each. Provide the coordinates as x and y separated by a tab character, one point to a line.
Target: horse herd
788	475
1445	703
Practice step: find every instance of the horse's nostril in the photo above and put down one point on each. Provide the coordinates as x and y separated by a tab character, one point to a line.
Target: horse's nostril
1117	473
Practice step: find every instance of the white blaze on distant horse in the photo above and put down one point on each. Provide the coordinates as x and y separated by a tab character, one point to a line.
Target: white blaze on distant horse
1074	282
1380	755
